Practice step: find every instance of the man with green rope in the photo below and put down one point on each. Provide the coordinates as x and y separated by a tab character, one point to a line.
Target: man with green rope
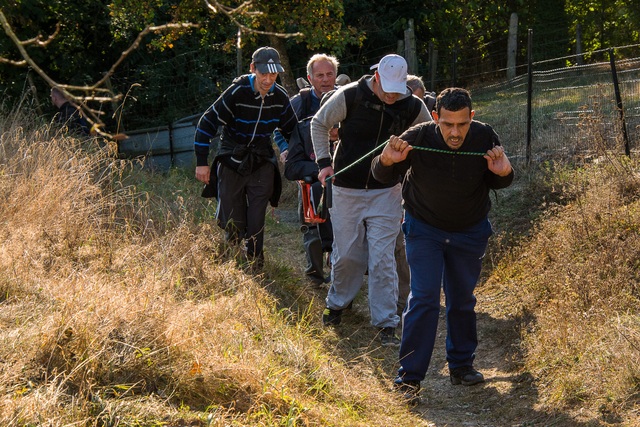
450	165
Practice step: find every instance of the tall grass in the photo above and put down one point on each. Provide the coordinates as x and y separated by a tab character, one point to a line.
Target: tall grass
122	306
574	281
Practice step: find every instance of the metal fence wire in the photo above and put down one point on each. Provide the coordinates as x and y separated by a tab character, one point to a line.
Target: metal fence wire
573	110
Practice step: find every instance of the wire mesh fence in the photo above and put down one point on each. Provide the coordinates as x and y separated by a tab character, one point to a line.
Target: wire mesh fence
166	90
571	110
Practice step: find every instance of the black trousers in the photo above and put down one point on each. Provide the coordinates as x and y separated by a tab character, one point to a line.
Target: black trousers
242	205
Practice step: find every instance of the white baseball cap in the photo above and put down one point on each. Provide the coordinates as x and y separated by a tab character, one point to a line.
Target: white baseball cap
393	73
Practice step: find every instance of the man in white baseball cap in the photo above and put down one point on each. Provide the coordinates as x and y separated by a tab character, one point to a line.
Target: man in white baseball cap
365	213
392	70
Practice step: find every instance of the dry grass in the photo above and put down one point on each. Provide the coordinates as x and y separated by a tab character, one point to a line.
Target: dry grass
574	284
122	306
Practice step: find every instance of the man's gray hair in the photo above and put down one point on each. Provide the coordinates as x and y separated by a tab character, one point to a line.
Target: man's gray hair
322	57
415	83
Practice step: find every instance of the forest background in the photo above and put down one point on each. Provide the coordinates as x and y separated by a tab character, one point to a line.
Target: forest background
179	71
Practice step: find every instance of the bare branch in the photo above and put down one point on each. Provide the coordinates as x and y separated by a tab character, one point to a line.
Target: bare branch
91	115
136	44
85	88
20	45
38	39
102	99
240	10
22	63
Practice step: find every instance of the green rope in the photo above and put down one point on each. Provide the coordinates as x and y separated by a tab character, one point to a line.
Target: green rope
358	161
436	150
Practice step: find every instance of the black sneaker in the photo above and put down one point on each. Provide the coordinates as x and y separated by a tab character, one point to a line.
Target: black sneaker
388	337
465	375
331	317
409	391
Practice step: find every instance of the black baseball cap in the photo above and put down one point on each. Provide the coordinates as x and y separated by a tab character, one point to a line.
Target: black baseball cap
267	60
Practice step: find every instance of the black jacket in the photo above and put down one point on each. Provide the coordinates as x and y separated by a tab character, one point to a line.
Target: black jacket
301	160
446	189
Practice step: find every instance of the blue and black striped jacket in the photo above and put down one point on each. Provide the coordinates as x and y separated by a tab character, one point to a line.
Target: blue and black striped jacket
247	121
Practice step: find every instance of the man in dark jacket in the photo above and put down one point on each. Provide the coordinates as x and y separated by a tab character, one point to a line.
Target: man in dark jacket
69	115
451	164
244	175
300	164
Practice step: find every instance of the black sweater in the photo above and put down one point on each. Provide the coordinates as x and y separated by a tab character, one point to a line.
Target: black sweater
446	189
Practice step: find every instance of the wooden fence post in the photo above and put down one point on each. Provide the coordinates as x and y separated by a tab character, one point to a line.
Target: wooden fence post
410	48
579	57
454	66
512	47
433	65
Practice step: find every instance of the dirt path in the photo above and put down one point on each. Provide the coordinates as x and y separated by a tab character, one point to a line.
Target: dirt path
508	398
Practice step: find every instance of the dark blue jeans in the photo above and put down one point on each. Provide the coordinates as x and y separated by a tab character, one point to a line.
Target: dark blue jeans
451	261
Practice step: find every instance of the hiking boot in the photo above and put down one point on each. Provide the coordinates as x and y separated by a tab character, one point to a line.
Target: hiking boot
409	391
388	337
465	375
318	282
331	317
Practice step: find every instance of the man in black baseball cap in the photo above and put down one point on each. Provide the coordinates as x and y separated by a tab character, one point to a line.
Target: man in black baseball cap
267	60
244	176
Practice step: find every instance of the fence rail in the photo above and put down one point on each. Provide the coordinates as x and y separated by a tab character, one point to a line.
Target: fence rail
162	147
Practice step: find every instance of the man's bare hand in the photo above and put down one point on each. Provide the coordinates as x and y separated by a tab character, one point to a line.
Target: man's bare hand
203	173
497	161
395	151
324	173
